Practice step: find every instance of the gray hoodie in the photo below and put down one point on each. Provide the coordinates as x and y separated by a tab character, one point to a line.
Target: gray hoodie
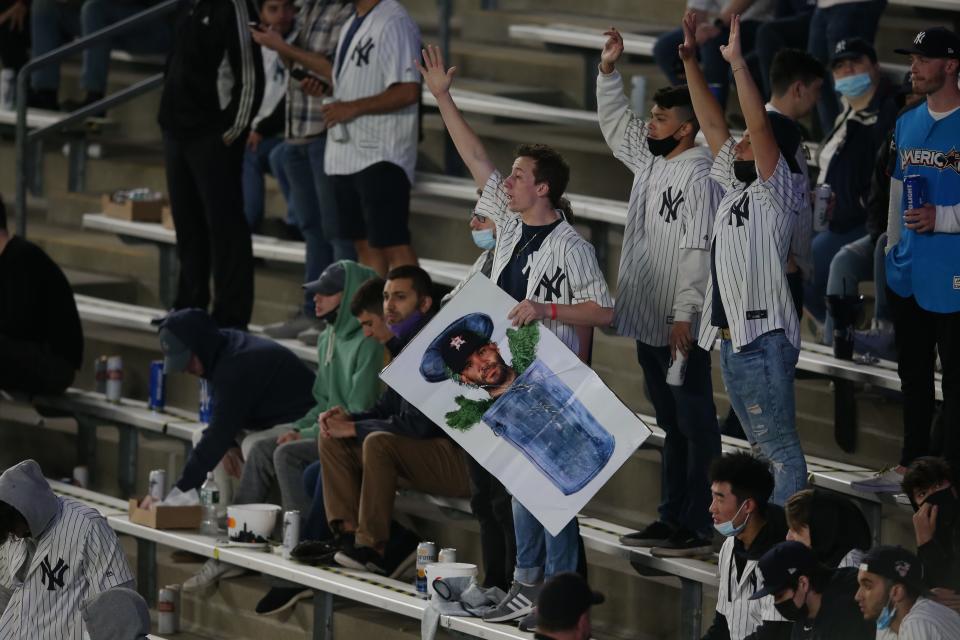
117	614
25	489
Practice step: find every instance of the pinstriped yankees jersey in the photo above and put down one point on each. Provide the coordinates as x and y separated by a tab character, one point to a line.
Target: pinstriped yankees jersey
743	615
381	54
752	234
77	557
563	271
672	206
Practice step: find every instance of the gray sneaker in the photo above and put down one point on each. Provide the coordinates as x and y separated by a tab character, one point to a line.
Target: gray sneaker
519	602
885	481
290	329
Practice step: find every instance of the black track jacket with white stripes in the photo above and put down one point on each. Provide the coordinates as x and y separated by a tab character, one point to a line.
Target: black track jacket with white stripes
214	73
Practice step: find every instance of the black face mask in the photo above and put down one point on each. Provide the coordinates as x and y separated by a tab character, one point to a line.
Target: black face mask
745	171
331	316
665	146
791	611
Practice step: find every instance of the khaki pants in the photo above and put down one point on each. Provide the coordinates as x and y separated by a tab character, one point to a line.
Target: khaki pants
360	481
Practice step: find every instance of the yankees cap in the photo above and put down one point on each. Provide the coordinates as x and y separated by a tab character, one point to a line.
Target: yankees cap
852	48
936	42
896	564
782	565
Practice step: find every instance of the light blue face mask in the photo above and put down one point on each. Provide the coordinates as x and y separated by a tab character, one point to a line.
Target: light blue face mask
886	616
727	529
853	86
484	238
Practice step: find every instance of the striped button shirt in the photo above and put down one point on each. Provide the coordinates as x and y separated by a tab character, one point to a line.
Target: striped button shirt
76	558
752	234
563	271
381	54
671	207
318	29
743	615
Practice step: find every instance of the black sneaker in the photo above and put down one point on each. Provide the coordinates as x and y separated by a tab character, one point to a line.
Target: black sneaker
401	553
362	559
682	544
316	552
281	598
650	536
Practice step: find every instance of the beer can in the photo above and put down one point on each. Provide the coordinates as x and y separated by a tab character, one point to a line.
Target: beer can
291	531
338	132
81	476
821	200
114	389
677	372
157	483
206	401
167	610
158	386
915	190
448	554
100	374
426	554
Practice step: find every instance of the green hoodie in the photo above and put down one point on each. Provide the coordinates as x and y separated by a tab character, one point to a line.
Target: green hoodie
347	362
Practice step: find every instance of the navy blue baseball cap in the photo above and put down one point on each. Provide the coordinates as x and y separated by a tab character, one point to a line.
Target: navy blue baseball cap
782	565
851	49
448	352
936	42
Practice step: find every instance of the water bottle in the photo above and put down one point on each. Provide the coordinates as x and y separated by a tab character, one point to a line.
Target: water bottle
210	501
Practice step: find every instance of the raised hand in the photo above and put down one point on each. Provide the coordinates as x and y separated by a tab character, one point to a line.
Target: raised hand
731	51
436	78
688	49
612	50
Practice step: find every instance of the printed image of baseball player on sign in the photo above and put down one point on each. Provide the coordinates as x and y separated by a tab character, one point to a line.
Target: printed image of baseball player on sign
518	401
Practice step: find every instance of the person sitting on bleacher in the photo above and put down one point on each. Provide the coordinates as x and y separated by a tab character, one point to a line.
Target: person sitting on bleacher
255	383
929	485
818	599
563	608
56	554
365	456
41	340
893	593
830	524
742	513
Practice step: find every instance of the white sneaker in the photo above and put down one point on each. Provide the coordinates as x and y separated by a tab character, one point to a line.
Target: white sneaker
884	481
212	572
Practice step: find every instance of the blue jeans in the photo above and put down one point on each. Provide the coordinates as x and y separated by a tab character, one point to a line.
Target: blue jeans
826	245
316	209
716	70
665	54
256	164
829	26
773	35
314	525
856	262
689	418
759	381
540	555
52	24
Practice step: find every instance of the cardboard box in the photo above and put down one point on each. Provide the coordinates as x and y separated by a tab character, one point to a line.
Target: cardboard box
159	517
133	210
166	217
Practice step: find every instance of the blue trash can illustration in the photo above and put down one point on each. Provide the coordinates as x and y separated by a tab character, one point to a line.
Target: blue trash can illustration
540	416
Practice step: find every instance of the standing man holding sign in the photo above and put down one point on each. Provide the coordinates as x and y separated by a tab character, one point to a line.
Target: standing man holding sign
552	271
664	270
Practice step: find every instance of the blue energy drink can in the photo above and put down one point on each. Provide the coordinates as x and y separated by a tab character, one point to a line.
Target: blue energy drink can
206	401
158	386
915	190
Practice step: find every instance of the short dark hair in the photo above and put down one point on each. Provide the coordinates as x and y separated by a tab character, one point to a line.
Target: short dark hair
677	97
923	473
748	477
419	278
790	65
368	297
549	168
260	3
3	214
10	518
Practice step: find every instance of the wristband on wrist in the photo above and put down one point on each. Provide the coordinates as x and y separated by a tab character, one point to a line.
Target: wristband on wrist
553	311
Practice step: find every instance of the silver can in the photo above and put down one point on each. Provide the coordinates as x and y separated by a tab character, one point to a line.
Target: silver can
291	531
426	554
100	374
81	476
157	484
167	610
338	132
677	372
821	200
447	555
114	389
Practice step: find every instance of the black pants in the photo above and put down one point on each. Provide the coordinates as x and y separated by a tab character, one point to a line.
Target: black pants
918	332
491	504
206	200
14	43
29	367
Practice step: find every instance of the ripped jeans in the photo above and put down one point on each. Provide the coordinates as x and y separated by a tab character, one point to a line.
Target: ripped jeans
759	381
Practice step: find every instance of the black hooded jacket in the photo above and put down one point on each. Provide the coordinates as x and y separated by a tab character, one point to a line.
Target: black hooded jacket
256	383
837	527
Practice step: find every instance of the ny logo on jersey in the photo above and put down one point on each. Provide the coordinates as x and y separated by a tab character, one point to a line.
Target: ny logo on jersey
362	53
740	209
52	577
670	204
552	285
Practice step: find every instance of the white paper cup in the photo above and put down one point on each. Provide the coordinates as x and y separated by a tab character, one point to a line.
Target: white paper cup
442	570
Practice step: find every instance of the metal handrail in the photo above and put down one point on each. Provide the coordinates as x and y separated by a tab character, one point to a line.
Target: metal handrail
24	137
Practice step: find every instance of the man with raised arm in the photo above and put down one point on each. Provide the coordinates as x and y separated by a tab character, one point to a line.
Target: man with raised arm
664	270
748	301
552	271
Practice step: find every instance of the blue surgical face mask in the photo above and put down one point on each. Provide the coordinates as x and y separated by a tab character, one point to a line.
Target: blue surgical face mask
886	616
484	238
853	86
727	529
